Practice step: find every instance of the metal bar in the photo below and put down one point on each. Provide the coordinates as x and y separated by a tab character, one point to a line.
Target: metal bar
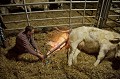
72	24
48	11
6	5
53	10
115	1
100	16
106	10
113	15
116	13
75	17
113	29
84	12
15	21
27	17
103	14
115	9
114	21
70	13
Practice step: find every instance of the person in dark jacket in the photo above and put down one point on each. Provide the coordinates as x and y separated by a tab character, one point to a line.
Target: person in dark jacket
25	43
3	42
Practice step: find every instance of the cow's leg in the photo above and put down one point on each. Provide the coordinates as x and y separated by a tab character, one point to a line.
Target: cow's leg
75	55
29	8
81	46
103	50
46	7
70	56
72	51
4	10
60	6
117	54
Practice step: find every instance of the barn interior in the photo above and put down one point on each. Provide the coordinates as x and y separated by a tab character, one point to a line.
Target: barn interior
64	14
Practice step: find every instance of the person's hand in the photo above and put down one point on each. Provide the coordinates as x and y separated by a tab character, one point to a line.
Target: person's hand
48	52
38	51
41	56
45	56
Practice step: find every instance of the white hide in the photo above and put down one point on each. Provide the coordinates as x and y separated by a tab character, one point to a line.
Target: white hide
61	4
91	40
4	10
42	6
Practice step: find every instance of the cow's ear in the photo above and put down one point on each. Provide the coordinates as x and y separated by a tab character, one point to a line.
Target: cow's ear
115	40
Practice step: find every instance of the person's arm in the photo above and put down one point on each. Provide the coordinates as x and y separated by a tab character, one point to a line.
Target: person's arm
27	46
33	43
2	24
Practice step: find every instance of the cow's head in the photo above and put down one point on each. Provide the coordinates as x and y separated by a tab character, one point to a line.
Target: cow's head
117	55
117	42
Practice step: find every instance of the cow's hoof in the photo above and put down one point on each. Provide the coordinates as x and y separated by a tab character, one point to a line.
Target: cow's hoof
69	64
95	64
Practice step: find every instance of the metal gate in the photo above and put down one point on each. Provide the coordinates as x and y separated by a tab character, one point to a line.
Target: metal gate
73	13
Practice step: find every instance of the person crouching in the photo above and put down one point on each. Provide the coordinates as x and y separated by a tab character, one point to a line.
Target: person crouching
25	43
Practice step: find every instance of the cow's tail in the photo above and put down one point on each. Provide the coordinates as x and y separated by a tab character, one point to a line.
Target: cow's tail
63	31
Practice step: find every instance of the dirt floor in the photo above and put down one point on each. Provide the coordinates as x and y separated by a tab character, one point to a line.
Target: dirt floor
55	67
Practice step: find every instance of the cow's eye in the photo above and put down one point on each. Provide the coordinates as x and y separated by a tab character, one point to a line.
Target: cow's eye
118	45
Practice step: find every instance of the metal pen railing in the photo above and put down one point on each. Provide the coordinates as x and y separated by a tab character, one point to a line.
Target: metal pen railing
28	20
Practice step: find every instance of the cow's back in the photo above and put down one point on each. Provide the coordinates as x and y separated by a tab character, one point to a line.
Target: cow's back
78	33
92	37
101	35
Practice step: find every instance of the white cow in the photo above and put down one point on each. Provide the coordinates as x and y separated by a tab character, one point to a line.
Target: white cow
29	7
92	40
57	4
4	10
42	6
60	4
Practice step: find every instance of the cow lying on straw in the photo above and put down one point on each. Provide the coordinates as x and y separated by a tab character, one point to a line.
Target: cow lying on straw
92	40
